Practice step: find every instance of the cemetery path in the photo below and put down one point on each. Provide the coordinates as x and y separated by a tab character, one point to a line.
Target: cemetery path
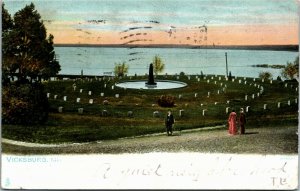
264	140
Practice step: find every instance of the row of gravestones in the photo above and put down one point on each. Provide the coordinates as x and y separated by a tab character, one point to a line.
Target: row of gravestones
204	111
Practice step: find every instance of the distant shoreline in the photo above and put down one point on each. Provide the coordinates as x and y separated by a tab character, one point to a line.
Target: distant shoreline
239	47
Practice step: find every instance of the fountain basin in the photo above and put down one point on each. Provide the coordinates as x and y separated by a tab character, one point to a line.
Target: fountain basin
160	84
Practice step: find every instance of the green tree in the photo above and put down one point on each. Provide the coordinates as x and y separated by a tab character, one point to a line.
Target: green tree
265	75
27	50
121	69
158	65
291	70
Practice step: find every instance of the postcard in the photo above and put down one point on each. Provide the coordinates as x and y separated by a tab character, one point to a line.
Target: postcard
148	94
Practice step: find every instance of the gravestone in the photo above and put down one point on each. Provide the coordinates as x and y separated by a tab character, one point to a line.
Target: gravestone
247	108
285	85
240	81
245	78
102	94
208	94
80	110
177	77
218	91
203	112
289	102
212	77
265	106
91	101
130	114
112	87
65	98
196	94
233	80
263	80
117	95
245	82
271	81
296	100
80	91
198	79
60	109
48	95
55	96
90	92
189	77
278	104
216	103
227	102
201	104
179	96
219	78
208	81
156	114
246	97
253	79
181	113
104	85
221	84
104	113
227	109
258	94
253	96
78	100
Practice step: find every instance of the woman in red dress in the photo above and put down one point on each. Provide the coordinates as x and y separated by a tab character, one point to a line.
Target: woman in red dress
232	123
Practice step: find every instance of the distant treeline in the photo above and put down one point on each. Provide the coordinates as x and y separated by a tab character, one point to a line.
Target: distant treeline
258	47
276	66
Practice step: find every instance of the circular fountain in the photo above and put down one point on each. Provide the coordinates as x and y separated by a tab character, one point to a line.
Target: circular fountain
151	84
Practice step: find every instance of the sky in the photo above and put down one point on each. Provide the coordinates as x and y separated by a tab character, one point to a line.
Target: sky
182	22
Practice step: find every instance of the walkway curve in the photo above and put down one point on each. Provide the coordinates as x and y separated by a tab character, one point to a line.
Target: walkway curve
40	145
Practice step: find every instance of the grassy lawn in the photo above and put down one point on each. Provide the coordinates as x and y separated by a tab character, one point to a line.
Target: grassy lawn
93	125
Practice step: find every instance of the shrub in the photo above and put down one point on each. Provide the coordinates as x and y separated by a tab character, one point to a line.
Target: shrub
265	75
24	104
166	101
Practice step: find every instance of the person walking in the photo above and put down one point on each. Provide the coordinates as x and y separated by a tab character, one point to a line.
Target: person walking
169	123
232	119
242	120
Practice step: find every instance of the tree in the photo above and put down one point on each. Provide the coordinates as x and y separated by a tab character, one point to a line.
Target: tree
27	51
158	65
291	70
121	69
265	75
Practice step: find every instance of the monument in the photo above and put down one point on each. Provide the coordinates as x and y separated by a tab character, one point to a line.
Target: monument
151	82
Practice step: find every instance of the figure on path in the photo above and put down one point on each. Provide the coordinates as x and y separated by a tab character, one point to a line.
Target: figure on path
242	120
169	123
232	123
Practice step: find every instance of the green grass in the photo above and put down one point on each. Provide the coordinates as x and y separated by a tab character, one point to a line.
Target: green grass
70	126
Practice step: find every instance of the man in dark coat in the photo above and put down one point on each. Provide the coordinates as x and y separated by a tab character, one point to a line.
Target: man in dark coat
242	120
169	123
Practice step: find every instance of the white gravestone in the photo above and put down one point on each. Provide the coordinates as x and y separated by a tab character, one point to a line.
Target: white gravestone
102	94
265	106
55	96
208	94
253	96
117	95
289	102
278	104
60	109
180	96
247	108
181	113
203	112
65	98
90	92
91	101
80	110
227	109
246	97
48	95
218	91
196	94
112	87
80	90
78	100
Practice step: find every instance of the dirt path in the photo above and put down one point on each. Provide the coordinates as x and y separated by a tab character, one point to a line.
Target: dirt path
257	140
